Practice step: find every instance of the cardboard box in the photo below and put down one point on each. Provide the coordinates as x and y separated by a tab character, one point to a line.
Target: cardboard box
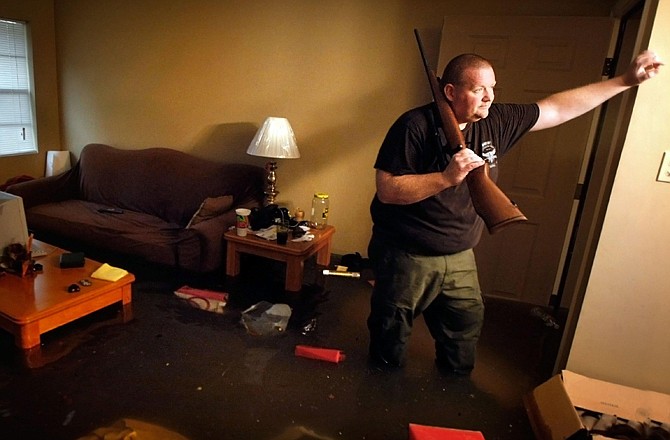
423	432
551	407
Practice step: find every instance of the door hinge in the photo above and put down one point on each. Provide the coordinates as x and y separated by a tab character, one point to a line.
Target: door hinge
608	67
578	191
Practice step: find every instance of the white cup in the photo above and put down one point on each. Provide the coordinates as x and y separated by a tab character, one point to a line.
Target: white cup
242	221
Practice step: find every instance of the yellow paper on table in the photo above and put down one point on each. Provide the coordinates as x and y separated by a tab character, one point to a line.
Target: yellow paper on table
109	273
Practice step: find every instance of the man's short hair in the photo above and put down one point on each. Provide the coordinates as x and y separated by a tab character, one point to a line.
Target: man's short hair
453	72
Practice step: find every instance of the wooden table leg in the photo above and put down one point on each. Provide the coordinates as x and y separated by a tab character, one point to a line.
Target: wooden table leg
28	336
126	303
295	270
232	260
126	313
323	255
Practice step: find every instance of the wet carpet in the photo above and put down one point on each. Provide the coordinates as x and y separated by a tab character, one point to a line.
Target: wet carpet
202	375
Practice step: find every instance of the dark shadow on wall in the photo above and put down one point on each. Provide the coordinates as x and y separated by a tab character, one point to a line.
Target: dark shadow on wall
225	142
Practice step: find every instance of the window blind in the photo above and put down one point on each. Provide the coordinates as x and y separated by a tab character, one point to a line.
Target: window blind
17	116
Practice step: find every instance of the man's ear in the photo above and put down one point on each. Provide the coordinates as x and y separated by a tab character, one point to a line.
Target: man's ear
448	91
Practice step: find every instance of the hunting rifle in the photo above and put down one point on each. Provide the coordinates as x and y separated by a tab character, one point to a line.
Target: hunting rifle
490	203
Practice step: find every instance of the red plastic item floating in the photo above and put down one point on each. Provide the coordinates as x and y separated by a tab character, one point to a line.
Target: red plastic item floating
322	354
421	432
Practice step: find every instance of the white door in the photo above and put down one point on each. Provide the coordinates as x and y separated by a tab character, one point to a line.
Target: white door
534	57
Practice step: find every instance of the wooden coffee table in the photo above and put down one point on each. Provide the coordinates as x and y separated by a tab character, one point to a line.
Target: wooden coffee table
292	253
37	303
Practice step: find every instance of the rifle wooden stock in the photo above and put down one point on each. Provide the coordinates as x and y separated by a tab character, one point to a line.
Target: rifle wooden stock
490	203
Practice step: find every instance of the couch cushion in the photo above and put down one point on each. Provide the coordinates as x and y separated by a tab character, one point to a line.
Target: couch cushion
210	208
135	233
166	183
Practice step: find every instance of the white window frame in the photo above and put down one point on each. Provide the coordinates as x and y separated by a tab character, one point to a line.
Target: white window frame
18	126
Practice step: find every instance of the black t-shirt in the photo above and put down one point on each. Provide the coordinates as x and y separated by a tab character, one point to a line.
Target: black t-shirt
445	223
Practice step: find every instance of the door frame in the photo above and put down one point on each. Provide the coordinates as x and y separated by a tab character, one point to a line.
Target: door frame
603	162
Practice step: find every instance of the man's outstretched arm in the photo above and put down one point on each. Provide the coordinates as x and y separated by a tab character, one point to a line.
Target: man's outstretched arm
564	106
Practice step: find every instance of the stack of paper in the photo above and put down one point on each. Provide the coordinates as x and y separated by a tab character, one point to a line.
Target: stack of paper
109	273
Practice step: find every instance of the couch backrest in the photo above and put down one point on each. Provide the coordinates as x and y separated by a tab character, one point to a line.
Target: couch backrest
167	183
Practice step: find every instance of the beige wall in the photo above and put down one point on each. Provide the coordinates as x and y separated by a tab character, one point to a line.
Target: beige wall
622	334
40	15
202	75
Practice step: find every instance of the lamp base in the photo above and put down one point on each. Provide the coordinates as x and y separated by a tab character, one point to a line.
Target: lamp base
270	183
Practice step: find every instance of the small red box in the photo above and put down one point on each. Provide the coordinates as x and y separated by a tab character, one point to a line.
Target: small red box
421	432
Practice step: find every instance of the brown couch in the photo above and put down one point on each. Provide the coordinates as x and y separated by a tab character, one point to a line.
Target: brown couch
176	207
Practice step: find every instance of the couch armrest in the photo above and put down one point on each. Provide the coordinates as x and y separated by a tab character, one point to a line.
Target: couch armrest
50	189
211	233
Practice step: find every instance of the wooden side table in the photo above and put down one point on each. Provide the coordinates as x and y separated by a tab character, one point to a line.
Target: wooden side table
292	253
